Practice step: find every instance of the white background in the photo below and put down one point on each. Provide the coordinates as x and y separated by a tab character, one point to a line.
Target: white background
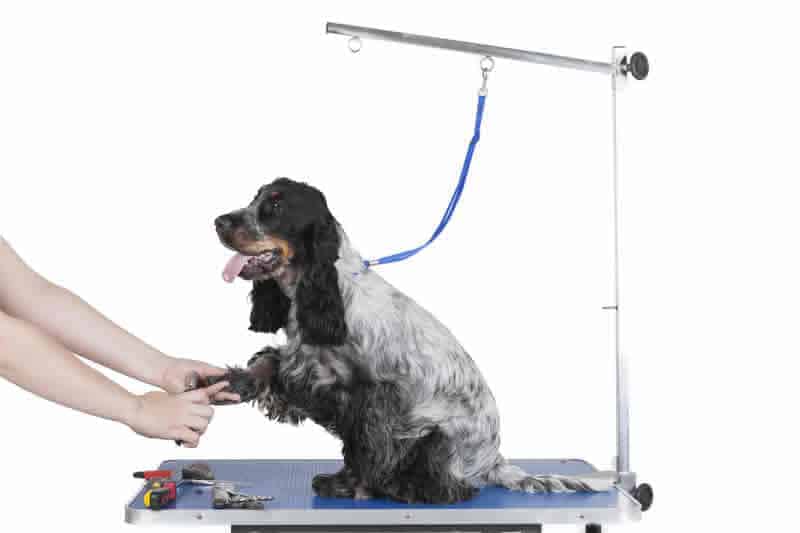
126	127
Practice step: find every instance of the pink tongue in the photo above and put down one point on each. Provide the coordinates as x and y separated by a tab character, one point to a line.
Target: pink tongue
234	267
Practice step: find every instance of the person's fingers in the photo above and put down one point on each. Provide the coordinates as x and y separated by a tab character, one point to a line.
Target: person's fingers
227	397
215	389
197	396
198	423
205	411
186	436
203	395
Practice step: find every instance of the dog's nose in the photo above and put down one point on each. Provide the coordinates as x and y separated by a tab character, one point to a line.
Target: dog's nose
223	223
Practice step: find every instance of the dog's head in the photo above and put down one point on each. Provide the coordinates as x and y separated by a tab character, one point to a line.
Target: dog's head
288	225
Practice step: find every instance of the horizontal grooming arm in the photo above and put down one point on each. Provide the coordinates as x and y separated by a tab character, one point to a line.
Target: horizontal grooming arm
471	48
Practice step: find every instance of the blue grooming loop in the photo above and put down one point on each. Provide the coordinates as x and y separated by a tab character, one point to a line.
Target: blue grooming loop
296	507
494	509
451	207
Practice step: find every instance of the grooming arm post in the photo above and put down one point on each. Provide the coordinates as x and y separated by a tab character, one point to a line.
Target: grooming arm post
623	458
637	65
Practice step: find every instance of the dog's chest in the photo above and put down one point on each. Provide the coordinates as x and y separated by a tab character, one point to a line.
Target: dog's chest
318	382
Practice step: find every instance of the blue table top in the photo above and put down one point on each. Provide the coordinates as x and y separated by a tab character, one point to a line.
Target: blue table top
289	482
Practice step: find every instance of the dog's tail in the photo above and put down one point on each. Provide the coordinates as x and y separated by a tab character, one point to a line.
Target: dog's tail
515	478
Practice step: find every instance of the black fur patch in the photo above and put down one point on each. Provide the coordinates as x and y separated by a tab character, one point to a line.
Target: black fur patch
270	307
407	470
320	309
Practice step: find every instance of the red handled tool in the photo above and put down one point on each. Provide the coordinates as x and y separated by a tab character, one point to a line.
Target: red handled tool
161	488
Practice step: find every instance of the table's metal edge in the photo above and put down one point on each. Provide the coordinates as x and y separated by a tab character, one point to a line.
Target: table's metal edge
165	463
625	510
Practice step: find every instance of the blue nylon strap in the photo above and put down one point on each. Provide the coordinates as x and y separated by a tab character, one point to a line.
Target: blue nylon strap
453	200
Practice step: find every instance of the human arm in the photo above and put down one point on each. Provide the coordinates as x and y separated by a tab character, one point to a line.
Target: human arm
80	328
38	364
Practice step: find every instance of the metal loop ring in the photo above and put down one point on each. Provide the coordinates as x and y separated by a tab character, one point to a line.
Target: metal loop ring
354	44
487	64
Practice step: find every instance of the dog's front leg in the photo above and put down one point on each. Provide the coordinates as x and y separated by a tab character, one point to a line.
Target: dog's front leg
248	382
261	382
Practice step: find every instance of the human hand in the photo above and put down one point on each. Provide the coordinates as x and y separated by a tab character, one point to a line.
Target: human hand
181	417
181	375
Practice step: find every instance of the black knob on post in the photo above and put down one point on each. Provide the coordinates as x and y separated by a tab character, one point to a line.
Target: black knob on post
637	65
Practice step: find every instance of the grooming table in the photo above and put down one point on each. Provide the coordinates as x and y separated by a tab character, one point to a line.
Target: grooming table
297	508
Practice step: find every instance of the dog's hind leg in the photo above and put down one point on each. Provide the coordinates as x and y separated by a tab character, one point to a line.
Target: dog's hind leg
342	484
372	453
427	477
387	463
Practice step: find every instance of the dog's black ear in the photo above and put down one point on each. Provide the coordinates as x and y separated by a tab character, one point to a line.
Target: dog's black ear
320	309
270	307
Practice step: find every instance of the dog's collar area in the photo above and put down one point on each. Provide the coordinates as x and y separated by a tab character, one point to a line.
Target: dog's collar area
364	268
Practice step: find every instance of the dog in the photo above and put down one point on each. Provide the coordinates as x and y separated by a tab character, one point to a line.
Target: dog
417	420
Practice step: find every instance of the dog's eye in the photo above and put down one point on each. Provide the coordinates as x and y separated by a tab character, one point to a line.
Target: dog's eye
269	209
275	199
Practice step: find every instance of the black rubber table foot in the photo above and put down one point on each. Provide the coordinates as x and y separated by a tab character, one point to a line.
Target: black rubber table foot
644	495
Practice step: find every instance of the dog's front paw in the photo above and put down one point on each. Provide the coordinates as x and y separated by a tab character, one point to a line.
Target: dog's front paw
240	381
